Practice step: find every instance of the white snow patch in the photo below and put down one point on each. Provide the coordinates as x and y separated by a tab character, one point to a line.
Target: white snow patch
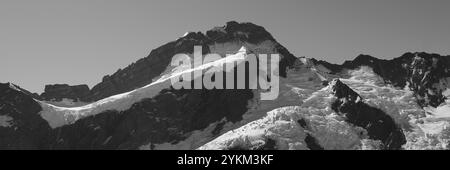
434	128
5	121
185	34
446	93
14	87
440	112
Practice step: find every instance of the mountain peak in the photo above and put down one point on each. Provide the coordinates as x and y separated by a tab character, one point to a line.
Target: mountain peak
245	31
225	39
12	86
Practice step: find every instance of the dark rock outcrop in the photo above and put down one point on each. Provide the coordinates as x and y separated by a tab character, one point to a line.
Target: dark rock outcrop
378	124
27	129
312	143
57	92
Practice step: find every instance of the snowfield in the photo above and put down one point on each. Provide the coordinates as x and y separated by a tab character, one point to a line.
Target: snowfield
282	126
329	129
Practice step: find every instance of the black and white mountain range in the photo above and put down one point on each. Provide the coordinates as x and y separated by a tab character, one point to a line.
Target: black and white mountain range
366	103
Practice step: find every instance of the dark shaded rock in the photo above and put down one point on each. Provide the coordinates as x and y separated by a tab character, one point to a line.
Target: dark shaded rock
312	143
378	124
218	128
302	123
246	32
28	130
57	92
269	144
334	68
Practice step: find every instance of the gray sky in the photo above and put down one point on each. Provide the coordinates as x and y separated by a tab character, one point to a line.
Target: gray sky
80	41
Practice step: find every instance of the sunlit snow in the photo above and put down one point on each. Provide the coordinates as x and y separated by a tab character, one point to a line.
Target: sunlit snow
333	133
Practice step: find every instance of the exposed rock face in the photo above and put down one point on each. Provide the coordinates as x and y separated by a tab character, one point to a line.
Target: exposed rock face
378	124
425	74
312	143
59	91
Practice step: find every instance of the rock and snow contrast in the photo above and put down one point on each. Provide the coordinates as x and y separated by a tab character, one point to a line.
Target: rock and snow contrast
367	103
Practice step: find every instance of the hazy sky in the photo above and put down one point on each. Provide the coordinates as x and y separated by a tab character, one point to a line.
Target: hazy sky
80	41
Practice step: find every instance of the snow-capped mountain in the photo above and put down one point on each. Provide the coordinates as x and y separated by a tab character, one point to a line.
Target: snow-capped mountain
366	103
